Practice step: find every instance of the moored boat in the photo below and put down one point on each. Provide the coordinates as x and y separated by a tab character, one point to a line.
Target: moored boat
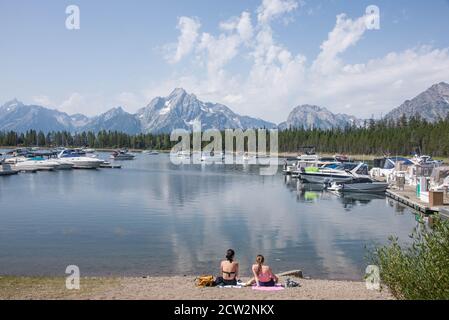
79	161
334	173
122	155
33	164
6	170
360	185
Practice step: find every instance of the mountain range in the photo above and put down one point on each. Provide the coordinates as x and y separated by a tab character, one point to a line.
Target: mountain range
180	109
432	104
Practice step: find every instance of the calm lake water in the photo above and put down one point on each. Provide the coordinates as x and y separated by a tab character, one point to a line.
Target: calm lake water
155	218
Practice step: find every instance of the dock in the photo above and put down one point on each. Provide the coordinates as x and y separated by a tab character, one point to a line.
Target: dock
408	198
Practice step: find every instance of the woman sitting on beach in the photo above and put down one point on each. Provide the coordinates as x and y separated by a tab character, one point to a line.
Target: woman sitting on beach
263	275
229	270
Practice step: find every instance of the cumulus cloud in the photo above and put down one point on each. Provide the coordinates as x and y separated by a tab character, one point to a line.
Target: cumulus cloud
42	100
75	103
345	34
277	79
188	28
271	9
241	24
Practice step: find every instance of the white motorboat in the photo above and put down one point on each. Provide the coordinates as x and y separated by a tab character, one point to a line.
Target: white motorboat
150	152
425	160
360	185
334	173
64	164
122	155
387	166
33	164
79	161
5	169
184	154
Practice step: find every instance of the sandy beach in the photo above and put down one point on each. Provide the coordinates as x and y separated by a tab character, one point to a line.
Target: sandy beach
174	288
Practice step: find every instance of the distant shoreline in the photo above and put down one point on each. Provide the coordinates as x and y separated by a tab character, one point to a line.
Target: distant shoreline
176	288
280	154
357	157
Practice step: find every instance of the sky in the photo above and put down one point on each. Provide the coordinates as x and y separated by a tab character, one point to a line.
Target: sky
259	57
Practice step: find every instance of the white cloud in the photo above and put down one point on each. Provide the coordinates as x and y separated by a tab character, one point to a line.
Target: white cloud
242	24
75	103
271	9
345	34
130	101
277	79
189	33
42	100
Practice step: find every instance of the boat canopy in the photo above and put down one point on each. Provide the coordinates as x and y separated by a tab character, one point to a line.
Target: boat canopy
390	163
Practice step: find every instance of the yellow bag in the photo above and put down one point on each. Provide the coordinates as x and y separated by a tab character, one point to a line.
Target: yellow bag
205	281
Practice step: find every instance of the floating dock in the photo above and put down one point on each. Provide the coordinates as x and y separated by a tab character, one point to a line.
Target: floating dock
408	197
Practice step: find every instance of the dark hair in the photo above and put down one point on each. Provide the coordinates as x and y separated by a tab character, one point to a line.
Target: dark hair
260	259
230	255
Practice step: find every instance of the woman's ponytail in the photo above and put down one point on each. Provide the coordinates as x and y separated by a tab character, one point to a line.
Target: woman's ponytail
230	255
259	260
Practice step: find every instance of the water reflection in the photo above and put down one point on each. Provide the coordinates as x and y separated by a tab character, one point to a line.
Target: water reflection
153	217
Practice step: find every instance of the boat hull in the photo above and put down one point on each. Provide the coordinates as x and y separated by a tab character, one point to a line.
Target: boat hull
323	178
365	187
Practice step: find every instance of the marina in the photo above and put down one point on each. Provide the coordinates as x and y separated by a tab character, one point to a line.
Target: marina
151	214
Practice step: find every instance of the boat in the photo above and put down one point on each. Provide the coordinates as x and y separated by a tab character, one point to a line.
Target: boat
359	185
334	173
108	165
78	160
88	150
33	164
385	167
122	155
64	164
150	152
425	160
184	154
6	170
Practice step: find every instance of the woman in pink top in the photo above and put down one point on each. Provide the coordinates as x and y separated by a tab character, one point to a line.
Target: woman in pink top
263	275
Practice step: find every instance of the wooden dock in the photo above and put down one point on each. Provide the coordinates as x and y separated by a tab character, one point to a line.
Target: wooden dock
408	198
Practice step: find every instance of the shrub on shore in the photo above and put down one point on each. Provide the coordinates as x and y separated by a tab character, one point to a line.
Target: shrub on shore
419	271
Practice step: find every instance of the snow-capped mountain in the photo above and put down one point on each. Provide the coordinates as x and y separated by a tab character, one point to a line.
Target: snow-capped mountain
179	110
16	116
431	104
115	119
315	117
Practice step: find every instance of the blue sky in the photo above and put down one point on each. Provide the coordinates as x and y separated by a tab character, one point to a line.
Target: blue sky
261	58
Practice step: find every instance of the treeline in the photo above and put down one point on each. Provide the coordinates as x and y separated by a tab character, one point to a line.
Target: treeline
400	137
102	139
375	138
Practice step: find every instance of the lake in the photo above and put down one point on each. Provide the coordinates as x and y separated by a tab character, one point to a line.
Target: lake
155	218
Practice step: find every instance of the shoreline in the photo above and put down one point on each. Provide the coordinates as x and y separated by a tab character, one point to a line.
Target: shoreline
280	154
177	288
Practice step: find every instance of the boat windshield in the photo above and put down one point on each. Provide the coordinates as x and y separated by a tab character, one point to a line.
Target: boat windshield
70	154
363	170
348	166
